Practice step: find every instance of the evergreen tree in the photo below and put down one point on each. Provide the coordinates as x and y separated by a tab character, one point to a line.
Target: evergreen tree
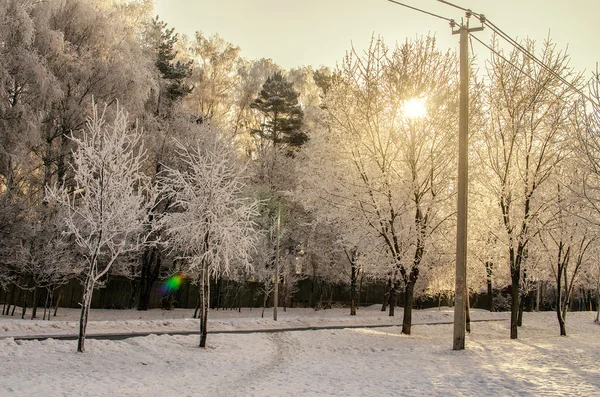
278	102
173	72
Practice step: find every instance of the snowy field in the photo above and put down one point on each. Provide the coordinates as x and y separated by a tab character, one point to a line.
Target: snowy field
339	362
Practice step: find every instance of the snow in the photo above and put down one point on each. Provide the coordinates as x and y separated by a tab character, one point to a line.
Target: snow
331	362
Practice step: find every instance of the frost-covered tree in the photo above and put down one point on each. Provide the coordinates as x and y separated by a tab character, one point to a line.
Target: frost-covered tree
529	110
566	238
392	168
215	78
211	222
105	208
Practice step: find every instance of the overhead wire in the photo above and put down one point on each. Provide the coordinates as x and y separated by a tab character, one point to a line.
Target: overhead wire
522	49
531	56
420	10
506	37
459	7
516	67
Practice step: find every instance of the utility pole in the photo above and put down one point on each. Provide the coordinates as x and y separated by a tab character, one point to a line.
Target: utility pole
463	161
276	289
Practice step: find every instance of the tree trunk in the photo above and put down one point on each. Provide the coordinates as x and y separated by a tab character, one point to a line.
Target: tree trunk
521	309
467	312
408	304
386	295
393	294
10	301
60	294
12	313
24	304
597	303
490	293
205	306
151	264
561	321
537	295
559	311
353	298
286	286
85	310
34	303
47	304
360	287
514	307
199	303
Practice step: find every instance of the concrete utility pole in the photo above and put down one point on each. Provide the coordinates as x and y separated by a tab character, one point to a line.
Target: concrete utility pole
463	161
276	289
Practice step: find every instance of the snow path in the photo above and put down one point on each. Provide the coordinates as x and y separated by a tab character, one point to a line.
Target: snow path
157	321
340	362
251	383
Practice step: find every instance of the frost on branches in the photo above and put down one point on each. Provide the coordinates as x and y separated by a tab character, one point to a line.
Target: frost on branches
211	225
105	214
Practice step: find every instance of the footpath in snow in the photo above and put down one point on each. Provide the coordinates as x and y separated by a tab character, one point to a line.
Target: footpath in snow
180	321
334	362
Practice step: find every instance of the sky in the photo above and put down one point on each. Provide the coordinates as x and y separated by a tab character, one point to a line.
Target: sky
319	32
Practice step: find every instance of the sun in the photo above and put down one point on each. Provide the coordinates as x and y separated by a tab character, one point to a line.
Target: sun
414	108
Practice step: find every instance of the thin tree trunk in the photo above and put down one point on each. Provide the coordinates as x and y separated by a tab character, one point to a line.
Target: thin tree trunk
12	313
408	304
537	295
521	309
24	304
386	295
514	307
360	287
85	310
205	306
559	312
150	270
393	294
46	304
353	298
265	299
467	312
9	301
34	303
490	292
60	294
285	286
597	303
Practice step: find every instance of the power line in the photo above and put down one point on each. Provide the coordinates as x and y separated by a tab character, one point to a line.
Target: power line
420	10
523	50
518	68
460	8
531	56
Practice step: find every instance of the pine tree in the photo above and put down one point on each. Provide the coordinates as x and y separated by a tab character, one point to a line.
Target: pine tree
173	72
278	102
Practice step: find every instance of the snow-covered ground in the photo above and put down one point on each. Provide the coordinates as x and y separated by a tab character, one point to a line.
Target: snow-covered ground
339	362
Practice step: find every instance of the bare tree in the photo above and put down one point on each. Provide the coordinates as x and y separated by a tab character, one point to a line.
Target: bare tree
392	166
212	222
105	214
528	118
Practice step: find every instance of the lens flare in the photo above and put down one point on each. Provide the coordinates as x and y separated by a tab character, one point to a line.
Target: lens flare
172	283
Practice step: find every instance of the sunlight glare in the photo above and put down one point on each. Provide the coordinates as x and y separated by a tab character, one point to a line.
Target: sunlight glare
414	108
